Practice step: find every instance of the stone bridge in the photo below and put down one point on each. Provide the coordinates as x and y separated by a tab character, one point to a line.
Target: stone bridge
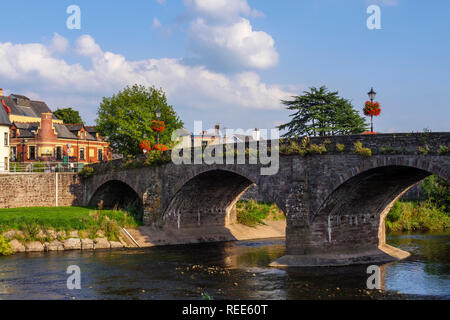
335	202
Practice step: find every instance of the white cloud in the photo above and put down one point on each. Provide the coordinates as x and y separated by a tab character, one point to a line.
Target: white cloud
35	66
223	39
156	23
59	43
236	45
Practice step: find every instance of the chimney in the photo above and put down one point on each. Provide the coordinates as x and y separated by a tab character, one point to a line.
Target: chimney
46	130
217	127
256	135
1	92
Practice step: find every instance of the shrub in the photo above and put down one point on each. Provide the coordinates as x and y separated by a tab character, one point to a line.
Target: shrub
86	172
340	147
424	150
359	149
5	247
443	150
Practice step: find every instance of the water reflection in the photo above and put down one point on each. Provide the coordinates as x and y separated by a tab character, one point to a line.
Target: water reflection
235	270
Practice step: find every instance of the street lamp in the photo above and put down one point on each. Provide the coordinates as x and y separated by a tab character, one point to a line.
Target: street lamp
371	95
158	115
24	144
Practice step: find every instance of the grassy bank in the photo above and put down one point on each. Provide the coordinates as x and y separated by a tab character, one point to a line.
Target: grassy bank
42	223
252	213
417	216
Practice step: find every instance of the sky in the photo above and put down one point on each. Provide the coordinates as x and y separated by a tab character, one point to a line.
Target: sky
231	62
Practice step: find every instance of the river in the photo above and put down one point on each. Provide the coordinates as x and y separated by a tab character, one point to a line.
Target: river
232	270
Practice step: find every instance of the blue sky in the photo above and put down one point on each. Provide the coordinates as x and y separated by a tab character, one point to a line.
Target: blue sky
230	62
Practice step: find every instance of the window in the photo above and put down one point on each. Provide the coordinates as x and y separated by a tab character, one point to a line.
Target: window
6	139
82	135
6	163
82	154
100	155
32	154
13	153
14	133
58	153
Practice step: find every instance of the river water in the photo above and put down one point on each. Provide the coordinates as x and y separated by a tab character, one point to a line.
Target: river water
233	270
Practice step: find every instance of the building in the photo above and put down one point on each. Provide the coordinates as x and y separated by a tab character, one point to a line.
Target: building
36	135
5	125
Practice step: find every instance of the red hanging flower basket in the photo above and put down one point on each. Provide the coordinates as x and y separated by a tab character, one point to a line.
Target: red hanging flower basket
160	147
145	146
158	126
372	109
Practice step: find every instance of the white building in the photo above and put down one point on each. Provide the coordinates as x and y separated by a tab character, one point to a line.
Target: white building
5	125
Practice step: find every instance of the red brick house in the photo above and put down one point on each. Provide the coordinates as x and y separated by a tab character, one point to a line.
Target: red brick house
37	135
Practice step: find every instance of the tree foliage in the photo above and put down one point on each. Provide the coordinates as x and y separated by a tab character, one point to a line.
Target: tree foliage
437	191
68	115
126	118
321	112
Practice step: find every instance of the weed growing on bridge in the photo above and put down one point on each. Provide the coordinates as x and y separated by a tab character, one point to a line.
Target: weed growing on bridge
424	150
305	147
86	172
391	150
443	150
340	147
359	149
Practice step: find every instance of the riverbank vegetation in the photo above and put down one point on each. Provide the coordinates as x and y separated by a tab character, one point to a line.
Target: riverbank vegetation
46	224
429	214
252	213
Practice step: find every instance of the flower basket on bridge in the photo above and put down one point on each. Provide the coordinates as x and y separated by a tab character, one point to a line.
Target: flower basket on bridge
158	126
372	109
160	147
145	146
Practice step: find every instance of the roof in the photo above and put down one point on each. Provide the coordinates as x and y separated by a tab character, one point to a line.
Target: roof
4	118
90	129
34	108
26	130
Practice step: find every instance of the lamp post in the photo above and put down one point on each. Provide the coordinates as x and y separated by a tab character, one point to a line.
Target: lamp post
371	95
24	144
158	115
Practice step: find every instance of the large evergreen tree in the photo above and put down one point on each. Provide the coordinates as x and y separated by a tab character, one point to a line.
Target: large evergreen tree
126	118
321	112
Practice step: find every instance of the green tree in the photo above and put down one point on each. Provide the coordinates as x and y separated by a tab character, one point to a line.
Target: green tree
68	115
321	112
437	191
126	118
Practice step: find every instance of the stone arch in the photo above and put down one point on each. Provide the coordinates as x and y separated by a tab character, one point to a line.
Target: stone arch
115	193
206	199
353	214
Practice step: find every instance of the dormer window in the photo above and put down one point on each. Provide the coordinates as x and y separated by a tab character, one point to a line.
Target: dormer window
82	135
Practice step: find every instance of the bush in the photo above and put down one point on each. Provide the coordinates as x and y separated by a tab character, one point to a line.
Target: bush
437	191
340	147
416	216
86	172
5	247
359	149
252	213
